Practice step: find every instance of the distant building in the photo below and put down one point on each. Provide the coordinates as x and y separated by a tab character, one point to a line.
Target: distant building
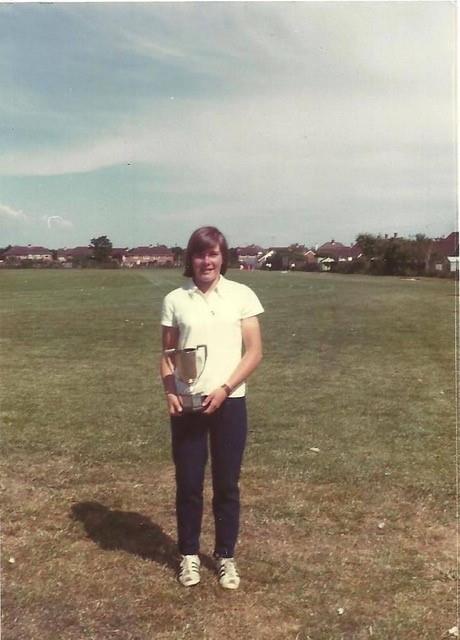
18	254
356	252
445	253
149	256
118	253
248	256
332	252
295	258
336	250
77	253
275	258
310	257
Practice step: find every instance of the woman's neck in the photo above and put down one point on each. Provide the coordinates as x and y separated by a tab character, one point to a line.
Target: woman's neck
207	287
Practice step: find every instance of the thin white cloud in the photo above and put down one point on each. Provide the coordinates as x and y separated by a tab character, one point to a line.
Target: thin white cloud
10	213
58	222
71	159
350	46
209	135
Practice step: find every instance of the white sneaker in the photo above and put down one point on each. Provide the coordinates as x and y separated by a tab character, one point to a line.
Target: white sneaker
228	573
189	571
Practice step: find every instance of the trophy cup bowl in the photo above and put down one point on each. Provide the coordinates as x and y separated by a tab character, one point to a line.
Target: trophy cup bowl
188	365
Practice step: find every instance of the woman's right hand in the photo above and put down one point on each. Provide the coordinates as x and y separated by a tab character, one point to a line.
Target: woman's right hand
174	404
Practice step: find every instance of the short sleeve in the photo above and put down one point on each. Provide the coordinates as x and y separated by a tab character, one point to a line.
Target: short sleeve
250	304
167	313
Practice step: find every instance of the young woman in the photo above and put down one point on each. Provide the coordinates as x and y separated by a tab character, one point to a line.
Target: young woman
209	309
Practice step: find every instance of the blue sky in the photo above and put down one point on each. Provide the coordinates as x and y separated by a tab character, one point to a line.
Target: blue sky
278	122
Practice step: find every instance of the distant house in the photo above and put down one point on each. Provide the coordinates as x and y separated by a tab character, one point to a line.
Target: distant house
118	253
356	252
445	253
77	253
332	252
18	254
67	256
274	258
336	250
294	257
149	256
248	256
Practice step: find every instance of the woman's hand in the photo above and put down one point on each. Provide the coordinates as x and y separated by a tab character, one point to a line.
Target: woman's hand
174	404
214	400
170	336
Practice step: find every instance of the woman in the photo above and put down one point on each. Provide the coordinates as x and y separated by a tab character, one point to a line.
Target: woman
210	310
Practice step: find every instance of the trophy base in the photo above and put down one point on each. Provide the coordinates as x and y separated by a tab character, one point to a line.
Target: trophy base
192	403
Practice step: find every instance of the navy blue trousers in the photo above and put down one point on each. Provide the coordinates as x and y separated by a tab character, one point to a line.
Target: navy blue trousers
226	431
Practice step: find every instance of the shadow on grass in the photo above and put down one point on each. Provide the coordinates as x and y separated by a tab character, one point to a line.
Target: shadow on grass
113	529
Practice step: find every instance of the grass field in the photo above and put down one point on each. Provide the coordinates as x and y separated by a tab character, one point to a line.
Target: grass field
354	541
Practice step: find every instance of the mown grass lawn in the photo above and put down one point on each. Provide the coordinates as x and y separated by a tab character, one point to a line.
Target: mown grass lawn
349	506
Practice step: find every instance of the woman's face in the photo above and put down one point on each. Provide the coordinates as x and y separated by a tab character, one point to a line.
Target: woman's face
206	266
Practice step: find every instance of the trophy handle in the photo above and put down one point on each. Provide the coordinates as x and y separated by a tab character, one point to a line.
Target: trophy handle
205	347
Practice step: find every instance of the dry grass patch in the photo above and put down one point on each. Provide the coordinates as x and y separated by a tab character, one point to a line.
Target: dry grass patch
94	557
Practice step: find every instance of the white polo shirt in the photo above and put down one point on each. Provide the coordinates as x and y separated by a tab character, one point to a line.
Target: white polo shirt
213	320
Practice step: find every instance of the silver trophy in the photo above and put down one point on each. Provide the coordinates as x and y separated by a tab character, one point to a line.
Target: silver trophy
188	365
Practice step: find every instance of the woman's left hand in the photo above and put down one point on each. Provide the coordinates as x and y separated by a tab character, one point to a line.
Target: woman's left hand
214	400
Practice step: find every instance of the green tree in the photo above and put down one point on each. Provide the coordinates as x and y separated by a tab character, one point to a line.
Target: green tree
102	248
372	250
423	247
233	257
395	256
3	251
178	253
369	245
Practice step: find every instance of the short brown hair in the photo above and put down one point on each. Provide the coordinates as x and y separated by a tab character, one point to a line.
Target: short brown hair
201	240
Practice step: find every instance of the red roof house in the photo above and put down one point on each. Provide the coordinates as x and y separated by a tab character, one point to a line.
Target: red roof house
37	254
67	255
159	255
336	250
445	252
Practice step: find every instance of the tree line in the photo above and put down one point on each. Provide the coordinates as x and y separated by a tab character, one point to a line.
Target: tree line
395	256
377	256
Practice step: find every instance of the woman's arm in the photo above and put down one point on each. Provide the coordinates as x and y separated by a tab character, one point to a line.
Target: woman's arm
252	341
169	338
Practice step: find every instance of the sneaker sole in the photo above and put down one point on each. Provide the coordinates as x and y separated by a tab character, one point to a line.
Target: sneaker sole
189	584
232	587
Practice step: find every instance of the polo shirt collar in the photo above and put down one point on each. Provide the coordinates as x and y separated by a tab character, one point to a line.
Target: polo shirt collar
192	288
